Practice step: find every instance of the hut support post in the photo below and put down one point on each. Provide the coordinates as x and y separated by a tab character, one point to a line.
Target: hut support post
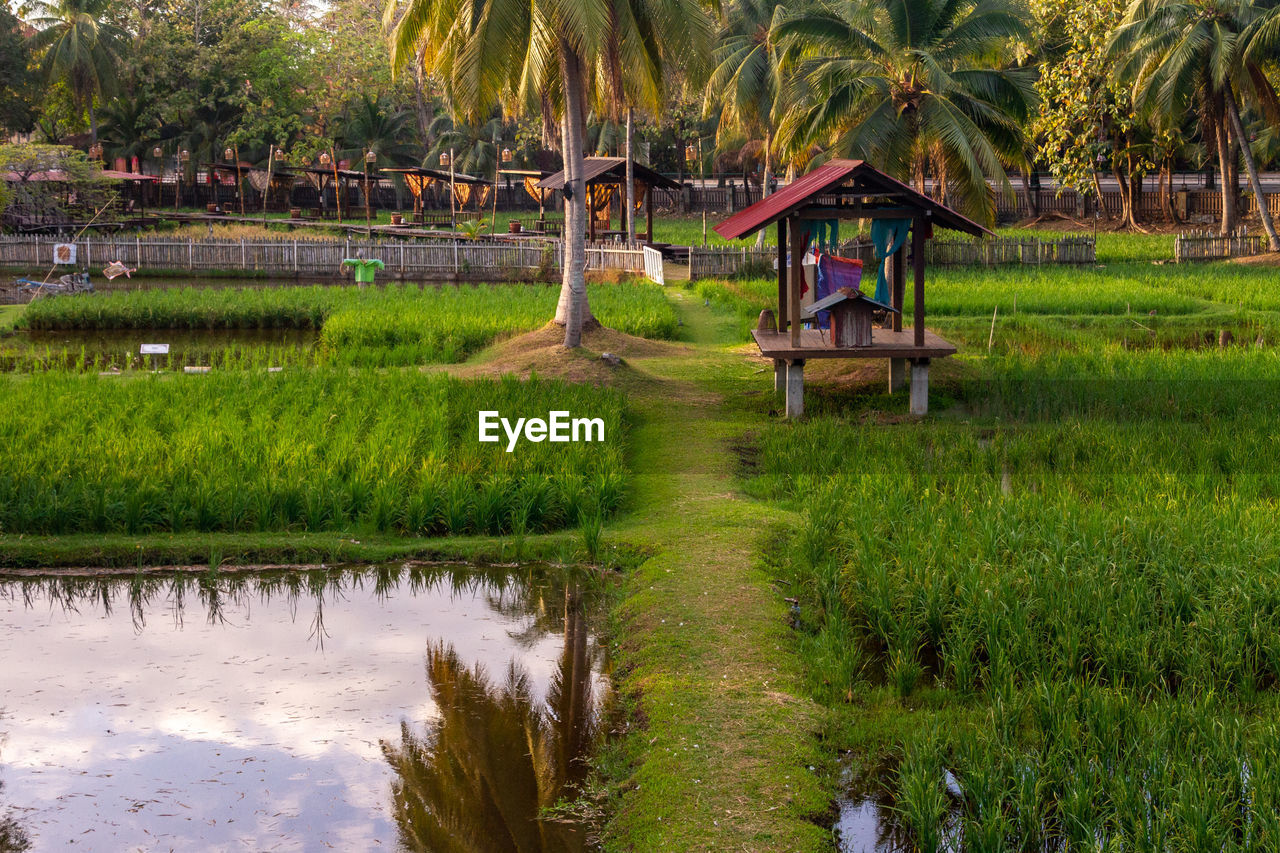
795	387
919	386
648	214
782	275
917	266
897	374
591	215
793	298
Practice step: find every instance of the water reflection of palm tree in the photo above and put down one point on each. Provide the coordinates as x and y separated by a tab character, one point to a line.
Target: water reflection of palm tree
495	758
13	839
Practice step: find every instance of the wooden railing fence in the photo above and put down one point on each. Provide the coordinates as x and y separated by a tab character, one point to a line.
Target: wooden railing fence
1204	246
288	256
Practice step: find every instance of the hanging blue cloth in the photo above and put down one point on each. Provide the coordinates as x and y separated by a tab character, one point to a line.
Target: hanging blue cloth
824	235
887	236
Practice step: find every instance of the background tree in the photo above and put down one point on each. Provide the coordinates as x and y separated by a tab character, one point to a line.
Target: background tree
18	89
745	83
918	87
1086	118
472	143
1180	55
128	130
79	46
26	199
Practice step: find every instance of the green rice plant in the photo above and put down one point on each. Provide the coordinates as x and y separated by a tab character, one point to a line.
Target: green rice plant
922	795
305	450
590	528
393	325
1090	554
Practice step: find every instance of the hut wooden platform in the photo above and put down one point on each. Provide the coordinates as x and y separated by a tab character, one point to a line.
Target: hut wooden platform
886	343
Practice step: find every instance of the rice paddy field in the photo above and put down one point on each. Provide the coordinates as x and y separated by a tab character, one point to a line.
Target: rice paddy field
1045	618
1048	617
1132	299
308	422
394	325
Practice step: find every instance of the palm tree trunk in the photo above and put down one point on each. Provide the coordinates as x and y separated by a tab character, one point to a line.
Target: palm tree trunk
764	189
421	113
631	179
1237	127
1224	169
573	290
1030	197
93	122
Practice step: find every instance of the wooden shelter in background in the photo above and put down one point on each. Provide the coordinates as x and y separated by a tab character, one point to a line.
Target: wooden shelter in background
323	177
419	179
530	179
849	190
606	179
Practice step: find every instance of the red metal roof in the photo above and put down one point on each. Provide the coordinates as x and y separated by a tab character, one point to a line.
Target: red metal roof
806	189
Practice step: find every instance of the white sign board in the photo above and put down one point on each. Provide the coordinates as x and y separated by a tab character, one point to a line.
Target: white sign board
155	349
64	253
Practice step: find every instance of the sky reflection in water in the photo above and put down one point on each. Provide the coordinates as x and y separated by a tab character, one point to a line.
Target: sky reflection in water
240	721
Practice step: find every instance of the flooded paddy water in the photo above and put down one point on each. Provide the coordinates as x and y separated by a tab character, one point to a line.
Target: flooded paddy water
344	708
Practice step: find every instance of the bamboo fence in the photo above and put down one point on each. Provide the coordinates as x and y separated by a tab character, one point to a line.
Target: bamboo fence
498	259
706	262
1203	246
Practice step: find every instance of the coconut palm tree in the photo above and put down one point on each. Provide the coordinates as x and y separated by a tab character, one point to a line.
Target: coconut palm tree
474	145
128	130
80	48
375	126
1206	54
914	86
746	81
372	125
547	51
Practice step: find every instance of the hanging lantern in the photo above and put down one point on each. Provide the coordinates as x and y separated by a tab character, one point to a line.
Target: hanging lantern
228	155
506	155
157	152
370	157
324	158
444	158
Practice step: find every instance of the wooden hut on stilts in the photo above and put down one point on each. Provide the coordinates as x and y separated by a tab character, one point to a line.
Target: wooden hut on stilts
836	191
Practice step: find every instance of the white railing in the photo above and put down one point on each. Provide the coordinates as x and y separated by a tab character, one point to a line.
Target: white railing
653	265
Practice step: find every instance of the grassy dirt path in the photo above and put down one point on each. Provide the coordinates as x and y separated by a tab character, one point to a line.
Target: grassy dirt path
726	741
